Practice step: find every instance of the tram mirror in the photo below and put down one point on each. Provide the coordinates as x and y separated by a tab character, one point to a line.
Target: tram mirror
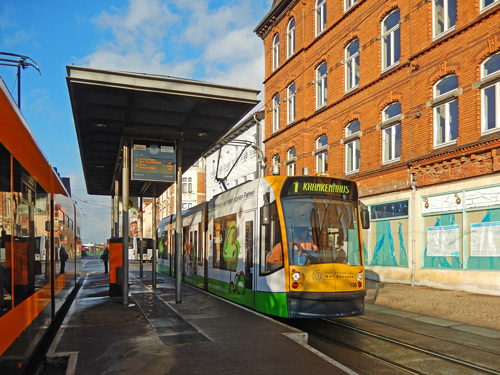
365	219
266	215
47	226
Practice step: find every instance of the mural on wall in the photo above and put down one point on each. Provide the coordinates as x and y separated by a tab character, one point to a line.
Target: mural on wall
385	250
387	239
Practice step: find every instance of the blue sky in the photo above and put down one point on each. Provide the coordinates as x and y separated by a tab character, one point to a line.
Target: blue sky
208	40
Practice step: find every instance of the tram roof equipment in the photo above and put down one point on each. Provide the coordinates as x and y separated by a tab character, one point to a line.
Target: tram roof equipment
110	106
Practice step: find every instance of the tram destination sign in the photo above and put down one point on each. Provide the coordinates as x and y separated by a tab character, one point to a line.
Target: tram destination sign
320	186
153	161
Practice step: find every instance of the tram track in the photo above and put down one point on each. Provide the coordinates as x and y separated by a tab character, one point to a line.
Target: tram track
371	346
444	357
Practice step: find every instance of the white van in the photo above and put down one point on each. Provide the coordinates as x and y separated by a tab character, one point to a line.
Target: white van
147	249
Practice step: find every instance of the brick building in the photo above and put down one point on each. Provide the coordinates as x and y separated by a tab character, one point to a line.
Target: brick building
404	98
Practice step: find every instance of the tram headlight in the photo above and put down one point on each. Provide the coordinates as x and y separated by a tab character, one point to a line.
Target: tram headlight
359	277
296	276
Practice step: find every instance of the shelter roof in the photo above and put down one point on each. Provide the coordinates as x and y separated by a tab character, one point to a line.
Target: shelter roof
112	107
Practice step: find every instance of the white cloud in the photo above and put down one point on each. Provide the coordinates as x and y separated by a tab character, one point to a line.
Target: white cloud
187	39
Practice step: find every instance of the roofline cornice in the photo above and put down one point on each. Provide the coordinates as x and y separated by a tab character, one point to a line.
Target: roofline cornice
273	16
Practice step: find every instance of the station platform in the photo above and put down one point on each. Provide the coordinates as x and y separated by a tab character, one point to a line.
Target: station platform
205	334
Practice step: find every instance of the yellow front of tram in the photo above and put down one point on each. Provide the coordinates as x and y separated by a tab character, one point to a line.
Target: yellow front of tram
322	238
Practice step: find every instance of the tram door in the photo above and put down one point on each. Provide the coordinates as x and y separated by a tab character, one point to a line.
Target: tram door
249	241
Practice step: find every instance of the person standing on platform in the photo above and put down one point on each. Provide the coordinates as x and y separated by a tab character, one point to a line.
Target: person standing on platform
105	258
63	257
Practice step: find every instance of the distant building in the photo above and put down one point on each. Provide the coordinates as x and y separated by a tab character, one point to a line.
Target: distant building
237	158
404	98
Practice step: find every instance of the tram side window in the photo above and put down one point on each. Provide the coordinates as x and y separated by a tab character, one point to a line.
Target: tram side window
271	247
226	245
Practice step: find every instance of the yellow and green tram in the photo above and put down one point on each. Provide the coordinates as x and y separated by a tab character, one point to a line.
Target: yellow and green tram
283	246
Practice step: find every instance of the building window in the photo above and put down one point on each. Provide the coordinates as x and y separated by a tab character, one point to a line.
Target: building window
390	40
321	154
488	3
187	184
291	162
276	52
490	94
348	4
391	135
291	103
290	45
276	113
352	156
444	16
320	16
445	111
352	65
321	86
212	172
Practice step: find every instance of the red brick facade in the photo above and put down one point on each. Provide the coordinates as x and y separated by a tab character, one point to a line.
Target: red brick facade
423	61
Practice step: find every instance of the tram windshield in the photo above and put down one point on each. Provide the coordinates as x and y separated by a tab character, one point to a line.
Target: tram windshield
321	230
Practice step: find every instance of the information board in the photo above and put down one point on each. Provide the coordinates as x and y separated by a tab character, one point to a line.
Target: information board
153	161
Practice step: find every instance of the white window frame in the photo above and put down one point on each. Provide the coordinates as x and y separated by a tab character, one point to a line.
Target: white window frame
320	16
276	52
350	67
490	81
276	113
290	45
352	145
321	154
447	27
290	103
290	163
389	39
321	85
390	125
443	103
348	4
487	7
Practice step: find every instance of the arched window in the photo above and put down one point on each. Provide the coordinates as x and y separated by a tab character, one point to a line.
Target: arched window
391	49
352	65
445	111
321	85
276	52
391	134
320	16
321	154
290	103
290	45
490	94
276	113
352	154
291	158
